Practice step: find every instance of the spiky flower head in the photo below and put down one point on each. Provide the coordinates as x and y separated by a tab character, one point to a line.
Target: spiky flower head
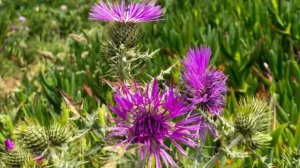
206	86
134	12
253	115
13	157
58	134
32	136
9	145
147	116
253	120
258	141
124	33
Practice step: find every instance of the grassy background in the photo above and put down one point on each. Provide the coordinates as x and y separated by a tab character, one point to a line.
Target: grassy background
256	43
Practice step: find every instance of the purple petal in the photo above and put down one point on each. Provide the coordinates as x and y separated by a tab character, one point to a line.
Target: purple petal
9	145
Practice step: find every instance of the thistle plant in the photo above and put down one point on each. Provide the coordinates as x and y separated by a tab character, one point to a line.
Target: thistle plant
121	47
9	145
32	136
205	86
59	134
147	116
253	121
40	141
13	156
251	129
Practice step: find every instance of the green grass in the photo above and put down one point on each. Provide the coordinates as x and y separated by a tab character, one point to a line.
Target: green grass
256	43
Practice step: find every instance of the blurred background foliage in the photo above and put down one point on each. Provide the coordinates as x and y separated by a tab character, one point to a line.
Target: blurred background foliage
50	44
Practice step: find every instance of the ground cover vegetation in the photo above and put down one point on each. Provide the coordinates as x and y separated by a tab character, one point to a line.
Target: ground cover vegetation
191	83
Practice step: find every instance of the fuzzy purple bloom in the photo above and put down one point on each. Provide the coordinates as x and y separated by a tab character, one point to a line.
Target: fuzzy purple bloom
146	116
9	145
206	86
134	12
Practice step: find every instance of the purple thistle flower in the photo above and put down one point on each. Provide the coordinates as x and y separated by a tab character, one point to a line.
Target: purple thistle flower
134	12
9	145
206	86
146	116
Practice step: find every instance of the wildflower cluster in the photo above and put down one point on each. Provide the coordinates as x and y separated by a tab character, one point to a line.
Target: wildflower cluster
158	119
164	123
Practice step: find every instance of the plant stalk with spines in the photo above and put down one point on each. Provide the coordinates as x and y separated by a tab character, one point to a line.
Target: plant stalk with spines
219	155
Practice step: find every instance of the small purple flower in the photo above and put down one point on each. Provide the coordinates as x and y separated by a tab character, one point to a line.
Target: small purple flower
9	145
147	116
134	12
22	19
206	86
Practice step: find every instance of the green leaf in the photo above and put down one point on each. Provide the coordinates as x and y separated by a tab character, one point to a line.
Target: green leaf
276	134
297	134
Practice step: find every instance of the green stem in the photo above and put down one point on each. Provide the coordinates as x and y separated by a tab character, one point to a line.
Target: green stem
219	155
198	154
123	74
140	162
273	104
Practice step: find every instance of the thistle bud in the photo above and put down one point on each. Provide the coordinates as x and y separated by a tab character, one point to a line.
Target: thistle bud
32	136
253	116
15	158
124	33
58	134
258	141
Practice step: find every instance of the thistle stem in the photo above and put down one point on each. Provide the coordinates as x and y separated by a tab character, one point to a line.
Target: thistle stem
198	154
123	72
140	162
219	155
